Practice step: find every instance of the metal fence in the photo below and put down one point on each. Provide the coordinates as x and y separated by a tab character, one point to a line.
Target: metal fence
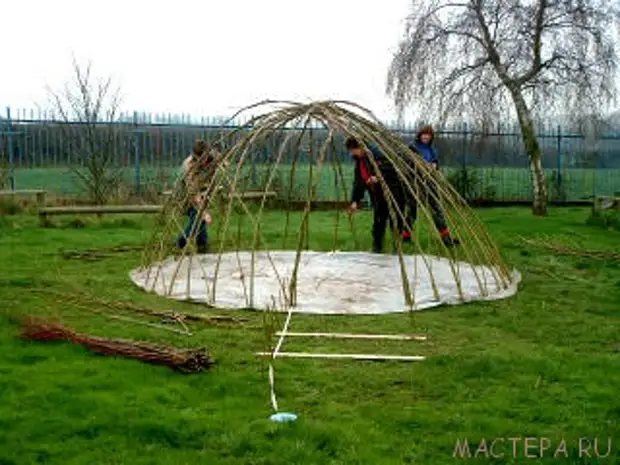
40	151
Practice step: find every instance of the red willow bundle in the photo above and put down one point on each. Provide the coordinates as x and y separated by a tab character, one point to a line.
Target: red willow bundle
181	360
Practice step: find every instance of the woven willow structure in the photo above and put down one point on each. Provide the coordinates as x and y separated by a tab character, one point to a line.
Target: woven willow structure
283	159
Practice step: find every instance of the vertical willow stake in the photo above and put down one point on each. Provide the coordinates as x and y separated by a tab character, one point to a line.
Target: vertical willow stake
291	182
337	191
311	194
304	224
238	245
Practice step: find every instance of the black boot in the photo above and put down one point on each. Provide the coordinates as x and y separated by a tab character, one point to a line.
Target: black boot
450	241
377	244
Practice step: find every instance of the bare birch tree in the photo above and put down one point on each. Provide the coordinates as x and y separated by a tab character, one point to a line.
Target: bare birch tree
88	107
476	59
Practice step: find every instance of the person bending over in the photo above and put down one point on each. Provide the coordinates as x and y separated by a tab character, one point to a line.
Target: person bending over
366	179
197	170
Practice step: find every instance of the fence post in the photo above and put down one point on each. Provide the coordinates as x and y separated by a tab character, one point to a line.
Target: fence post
9	132
465	188
559	176
465	134
136	151
253	172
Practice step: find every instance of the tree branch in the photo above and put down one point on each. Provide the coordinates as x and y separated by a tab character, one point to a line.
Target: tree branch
442	32
537	45
489	44
465	70
537	68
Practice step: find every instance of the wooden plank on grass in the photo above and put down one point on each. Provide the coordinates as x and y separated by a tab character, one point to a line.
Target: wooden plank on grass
370	357
394	337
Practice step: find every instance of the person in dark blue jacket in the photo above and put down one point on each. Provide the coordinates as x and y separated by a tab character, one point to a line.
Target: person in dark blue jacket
423	146
366	179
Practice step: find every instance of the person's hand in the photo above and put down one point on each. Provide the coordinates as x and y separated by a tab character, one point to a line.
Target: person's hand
434	165
372	180
352	208
197	199
207	218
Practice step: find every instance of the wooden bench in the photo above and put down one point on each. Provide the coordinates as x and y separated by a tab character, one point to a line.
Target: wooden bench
39	194
253	195
96	210
242	195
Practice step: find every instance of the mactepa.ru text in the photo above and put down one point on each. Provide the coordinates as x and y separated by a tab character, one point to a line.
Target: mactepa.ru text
532	448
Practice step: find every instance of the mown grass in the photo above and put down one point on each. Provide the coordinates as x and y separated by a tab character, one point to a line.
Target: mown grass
490	183
544	363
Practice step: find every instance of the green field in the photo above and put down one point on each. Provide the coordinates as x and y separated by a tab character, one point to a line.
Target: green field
543	364
499	184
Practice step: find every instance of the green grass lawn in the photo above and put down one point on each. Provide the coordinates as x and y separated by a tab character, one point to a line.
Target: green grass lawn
543	364
496	183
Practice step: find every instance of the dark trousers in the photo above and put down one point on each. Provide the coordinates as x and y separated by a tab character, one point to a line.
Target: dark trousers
200	229
382	215
428	194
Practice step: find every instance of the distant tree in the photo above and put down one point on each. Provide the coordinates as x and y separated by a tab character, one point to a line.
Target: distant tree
477	58
89	109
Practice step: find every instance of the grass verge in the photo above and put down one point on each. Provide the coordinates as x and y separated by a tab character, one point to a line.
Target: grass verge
543	364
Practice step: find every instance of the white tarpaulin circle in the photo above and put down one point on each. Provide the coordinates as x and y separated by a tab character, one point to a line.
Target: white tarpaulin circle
327	283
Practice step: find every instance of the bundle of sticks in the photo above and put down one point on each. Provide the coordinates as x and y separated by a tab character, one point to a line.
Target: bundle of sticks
98	254
92	301
563	249
181	360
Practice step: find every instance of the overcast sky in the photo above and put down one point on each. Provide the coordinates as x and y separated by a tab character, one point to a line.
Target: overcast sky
204	57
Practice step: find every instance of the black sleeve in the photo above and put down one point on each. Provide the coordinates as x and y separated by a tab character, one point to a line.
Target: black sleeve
359	186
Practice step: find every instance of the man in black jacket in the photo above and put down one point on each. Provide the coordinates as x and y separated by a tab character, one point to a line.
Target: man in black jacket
366	179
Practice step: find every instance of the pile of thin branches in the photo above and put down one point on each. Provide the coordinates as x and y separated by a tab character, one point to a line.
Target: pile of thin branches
181	360
563	249
91	301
